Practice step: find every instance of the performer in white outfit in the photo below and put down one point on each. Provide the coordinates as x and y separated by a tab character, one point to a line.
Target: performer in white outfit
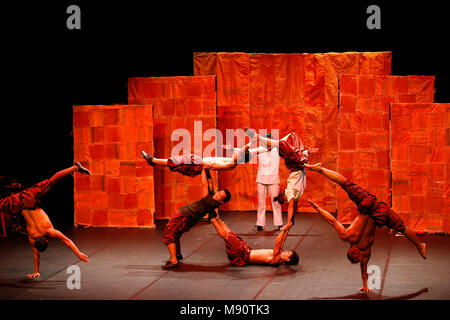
268	179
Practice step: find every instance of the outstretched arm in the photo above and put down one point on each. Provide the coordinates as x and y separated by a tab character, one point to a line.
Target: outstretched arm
57	234
207	180
292	210
37	260
279	243
340	229
207	183
364	276
237	155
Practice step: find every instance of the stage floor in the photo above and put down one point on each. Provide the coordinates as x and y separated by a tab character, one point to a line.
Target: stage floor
126	264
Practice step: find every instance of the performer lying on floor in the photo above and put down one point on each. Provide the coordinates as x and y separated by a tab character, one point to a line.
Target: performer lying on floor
360	234
27	202
295	156
192	165
187	216
240	253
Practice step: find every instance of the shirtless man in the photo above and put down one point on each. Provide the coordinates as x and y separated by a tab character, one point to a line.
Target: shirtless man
39	230
27	202
360	234
295	155
192	165
240	253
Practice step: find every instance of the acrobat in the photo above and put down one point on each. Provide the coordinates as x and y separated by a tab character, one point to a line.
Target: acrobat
189	215
373	213
39	227
240	253
192	165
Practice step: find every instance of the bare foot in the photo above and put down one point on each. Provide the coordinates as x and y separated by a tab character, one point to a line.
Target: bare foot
422	250
314	167
249	132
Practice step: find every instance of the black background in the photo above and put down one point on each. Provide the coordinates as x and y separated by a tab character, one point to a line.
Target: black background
47	68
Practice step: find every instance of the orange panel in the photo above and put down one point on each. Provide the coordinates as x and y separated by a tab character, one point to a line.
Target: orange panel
186	103
364	128
107	147
286	92
424	185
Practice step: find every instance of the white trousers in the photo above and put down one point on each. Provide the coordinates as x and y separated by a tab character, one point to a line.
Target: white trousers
273	189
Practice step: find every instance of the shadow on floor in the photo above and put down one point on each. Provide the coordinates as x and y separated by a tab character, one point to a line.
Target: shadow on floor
373	296
237	272
28	283
274	233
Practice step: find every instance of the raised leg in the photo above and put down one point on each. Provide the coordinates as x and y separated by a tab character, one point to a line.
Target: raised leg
411	236
161	162
330	174
340	229
152	160
63	173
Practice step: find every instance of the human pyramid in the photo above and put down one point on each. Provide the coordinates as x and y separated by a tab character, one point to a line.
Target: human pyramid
360	234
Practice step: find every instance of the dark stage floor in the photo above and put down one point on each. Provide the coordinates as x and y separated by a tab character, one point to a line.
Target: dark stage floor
125	264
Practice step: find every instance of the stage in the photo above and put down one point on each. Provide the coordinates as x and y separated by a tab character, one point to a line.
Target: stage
125	264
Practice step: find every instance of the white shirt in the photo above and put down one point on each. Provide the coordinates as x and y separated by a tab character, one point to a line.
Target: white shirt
268	165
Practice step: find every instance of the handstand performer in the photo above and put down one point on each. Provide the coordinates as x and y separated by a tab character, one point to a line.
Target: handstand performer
295	156
360	234
27	202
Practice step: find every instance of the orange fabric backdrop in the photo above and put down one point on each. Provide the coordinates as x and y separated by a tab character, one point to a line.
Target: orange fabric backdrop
178	102
364	142
421	165
297	92
108	140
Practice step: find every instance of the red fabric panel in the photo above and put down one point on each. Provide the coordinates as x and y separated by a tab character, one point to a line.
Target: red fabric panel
420	164
364	141
178	102
233	113
107	140
240	181
285	92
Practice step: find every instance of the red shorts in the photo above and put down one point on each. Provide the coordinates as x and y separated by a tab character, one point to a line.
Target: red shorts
383	215
188	165
291	151
238	251
26	199
11	204
367	204
176	226
362	198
